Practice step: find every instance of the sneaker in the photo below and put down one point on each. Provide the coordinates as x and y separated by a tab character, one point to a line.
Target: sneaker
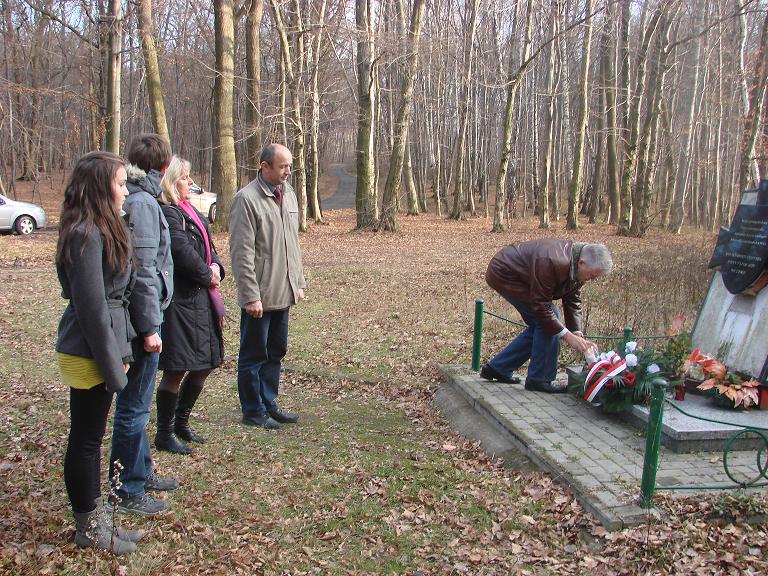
144	505
158	484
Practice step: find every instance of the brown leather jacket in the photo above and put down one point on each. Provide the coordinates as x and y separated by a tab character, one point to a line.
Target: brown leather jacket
538	272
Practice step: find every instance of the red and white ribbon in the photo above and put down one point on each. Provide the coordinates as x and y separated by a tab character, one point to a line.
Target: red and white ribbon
601	373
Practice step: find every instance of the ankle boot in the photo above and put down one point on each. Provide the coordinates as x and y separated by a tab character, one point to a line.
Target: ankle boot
122	533
93	532
165	439
187	398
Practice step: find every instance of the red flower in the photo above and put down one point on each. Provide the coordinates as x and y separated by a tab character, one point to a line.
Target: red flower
629	379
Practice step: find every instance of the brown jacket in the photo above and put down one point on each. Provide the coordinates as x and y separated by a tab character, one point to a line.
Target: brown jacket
538	272
264	246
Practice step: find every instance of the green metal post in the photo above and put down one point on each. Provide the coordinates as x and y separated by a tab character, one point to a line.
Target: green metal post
477	334
652	444
627	336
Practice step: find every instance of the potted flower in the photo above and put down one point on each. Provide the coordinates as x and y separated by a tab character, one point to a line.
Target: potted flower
726	388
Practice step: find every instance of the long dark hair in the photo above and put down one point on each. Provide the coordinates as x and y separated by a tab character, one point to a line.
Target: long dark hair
89	200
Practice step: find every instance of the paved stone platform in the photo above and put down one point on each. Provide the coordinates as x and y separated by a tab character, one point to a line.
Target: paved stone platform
599	455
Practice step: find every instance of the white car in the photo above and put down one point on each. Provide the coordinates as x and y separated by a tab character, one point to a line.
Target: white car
204	201
20	217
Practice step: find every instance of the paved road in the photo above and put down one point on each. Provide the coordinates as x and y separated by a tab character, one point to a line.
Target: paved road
344	197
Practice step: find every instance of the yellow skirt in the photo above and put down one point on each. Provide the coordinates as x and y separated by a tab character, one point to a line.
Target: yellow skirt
78	372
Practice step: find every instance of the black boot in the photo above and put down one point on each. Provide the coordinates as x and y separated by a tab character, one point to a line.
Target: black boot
187	398
165	439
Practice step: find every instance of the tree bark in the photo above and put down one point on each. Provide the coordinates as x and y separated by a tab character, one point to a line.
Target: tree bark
459	152
253	142
313	195
152	70
574	191
224	174
293	79
608	73
513	83
114	67
752	121
365	194
391	189
634	105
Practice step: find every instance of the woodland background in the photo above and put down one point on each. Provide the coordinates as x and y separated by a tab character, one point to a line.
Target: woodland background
638	112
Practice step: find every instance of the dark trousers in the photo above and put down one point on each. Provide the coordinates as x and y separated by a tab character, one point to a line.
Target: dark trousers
532	344
263	344
82	464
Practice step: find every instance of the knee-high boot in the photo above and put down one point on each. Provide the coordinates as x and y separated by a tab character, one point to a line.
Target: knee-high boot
165	439
187	398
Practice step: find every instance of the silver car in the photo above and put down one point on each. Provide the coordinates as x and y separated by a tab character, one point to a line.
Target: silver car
21	217
204	201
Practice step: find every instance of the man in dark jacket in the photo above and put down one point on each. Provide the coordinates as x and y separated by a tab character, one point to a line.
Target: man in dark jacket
530	276
149	155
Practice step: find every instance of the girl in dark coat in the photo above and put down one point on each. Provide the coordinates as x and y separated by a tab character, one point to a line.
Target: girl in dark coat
192	326
93	262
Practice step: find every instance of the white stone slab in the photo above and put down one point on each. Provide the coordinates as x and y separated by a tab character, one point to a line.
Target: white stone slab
734	328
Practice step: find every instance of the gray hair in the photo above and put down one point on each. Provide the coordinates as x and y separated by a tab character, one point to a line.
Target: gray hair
597	257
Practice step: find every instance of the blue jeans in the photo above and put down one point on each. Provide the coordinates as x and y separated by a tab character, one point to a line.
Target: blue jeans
130	444
263	344
532	344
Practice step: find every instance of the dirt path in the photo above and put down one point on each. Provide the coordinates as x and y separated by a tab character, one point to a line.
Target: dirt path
344	197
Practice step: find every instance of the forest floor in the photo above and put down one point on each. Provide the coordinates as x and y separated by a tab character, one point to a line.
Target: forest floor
372	480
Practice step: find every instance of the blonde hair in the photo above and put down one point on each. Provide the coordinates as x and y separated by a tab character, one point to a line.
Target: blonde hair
176	169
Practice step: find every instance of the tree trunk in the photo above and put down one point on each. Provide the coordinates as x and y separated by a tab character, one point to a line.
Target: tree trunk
365	194
313	195
152	70
608	73
114	67
649	138
631	149
293	79
547	144
683	170
753	120
253	127
459	151
392	187
574	192
224	173
513	83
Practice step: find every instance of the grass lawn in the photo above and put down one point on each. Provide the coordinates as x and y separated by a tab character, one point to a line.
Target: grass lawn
372	480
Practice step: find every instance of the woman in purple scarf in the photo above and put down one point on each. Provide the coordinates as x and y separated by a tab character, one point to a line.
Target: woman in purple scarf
192	329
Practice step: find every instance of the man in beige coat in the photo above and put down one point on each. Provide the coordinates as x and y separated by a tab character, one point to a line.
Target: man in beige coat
266	264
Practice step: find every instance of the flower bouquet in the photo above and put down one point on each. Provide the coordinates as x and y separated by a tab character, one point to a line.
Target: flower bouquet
616	383
726	388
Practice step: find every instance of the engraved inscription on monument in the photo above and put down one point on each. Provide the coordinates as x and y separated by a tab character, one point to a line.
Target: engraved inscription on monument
742	251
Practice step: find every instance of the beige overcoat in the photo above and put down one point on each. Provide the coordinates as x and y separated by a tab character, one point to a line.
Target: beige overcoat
264	246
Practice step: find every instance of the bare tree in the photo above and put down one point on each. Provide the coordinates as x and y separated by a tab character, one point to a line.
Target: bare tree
224	176
389	205
253	141
367	214
114	21
574	192
154	85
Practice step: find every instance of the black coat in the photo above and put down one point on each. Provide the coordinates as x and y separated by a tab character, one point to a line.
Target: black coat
192	339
